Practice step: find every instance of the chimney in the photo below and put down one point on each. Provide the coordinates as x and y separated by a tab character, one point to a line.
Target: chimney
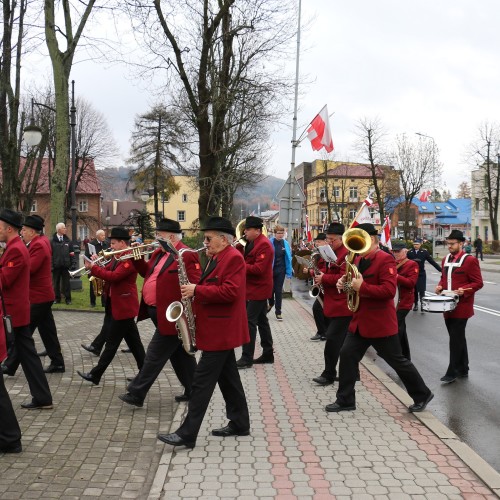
115	207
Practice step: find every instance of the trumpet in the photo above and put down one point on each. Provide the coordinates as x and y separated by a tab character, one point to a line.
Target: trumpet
83	271
356	241
135	253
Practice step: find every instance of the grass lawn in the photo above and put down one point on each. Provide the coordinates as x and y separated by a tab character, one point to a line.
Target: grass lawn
80	299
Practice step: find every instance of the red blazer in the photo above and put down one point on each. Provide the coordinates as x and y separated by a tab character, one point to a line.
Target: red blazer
167	284
407	280
259	268
122	287
3	343
376	315
220	303
41	289
335	303
15	279
468	275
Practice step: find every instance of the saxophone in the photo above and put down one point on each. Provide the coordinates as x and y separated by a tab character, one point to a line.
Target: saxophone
181	313
316	291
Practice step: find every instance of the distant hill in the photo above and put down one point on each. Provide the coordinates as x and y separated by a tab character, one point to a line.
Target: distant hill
114	186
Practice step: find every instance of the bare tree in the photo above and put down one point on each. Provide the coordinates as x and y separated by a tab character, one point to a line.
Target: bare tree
418	164
464	190
480	156
225	61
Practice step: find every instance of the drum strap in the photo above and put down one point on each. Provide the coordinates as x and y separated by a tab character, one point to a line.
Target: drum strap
450	266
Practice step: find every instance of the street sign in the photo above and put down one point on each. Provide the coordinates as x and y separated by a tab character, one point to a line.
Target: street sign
285	213
297	192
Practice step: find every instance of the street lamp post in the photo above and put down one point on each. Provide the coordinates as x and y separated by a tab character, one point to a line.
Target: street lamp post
433	193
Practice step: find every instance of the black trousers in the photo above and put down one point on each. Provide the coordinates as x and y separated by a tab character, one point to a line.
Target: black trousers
41	317
119	329
389	349
420	288
215	367
277	297
60	280
459	356
10	433
24	347
319	318
100	340
257	317
335	336
161	349
403	337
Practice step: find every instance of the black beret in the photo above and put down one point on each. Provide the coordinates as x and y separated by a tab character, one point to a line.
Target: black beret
335	228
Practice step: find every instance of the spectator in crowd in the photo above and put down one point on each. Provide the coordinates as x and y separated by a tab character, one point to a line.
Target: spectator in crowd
62	261
478	245
99	243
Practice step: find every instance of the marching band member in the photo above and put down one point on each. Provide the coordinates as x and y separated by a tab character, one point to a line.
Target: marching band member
408	271
15	280
221	326
334	305
319	316
375	324
122	305
259	256
462	274
160	289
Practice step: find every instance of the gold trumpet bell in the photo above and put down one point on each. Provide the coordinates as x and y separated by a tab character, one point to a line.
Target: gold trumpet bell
356	240
240	232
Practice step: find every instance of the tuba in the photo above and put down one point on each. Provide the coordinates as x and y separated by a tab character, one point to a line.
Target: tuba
181	313
240	233
356	241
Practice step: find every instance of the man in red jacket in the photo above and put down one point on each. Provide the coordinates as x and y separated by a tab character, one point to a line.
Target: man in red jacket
334	305
462	275
221	326
160	289
375	324
408	271
10	433
122	305
259	257
15	280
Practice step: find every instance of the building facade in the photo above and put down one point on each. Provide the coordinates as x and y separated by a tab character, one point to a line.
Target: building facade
481	224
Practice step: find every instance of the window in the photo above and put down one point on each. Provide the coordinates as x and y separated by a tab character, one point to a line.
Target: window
477	204
34	207
352	213
353	192
181	215
336	191
83	206
486	204
322	194
323	215
83	232
184	198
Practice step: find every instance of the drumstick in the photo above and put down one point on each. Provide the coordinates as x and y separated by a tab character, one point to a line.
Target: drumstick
467	288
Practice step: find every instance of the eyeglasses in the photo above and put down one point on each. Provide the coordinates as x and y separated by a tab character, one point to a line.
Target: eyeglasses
210	238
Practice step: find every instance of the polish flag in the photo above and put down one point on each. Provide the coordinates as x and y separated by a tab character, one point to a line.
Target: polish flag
308	229
362	217
425	195
319	132
385	237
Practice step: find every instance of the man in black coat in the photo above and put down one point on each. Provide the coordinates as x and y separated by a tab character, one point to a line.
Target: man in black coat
100	243
420	255
62	260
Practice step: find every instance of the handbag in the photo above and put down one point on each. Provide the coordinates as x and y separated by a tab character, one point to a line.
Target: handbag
7	323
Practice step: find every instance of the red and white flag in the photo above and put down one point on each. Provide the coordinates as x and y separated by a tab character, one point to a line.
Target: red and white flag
425	195
308	229
385	237
364	216
319	132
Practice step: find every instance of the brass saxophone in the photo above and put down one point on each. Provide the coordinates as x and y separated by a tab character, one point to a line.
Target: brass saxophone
181	313
316	291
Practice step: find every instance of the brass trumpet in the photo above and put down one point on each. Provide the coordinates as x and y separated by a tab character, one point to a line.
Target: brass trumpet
135	253
82	271
356	241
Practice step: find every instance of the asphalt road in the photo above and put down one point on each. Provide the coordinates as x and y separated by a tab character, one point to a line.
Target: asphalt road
469	407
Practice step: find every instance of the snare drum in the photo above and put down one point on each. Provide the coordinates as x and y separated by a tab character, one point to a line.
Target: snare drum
439	303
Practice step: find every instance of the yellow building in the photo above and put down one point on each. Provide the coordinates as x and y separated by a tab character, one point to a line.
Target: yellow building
181	206
335	190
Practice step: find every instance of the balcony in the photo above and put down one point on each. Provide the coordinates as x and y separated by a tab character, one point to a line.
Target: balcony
482	214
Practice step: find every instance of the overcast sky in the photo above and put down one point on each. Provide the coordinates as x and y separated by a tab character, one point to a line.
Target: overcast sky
430	66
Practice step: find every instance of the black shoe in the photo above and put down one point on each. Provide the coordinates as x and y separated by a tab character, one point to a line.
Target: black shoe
87	376
126	351
448	379
54	369
92	305
241	363
323	338
43	353
131	400
229	431
68	302
415	307
335	408
417	407
463	375
37	406
322	380
8	372
316	337
90	348
182	397
175	440
264	360
12	448
130	379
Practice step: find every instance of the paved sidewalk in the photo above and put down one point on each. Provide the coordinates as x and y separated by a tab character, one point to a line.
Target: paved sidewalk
297	450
